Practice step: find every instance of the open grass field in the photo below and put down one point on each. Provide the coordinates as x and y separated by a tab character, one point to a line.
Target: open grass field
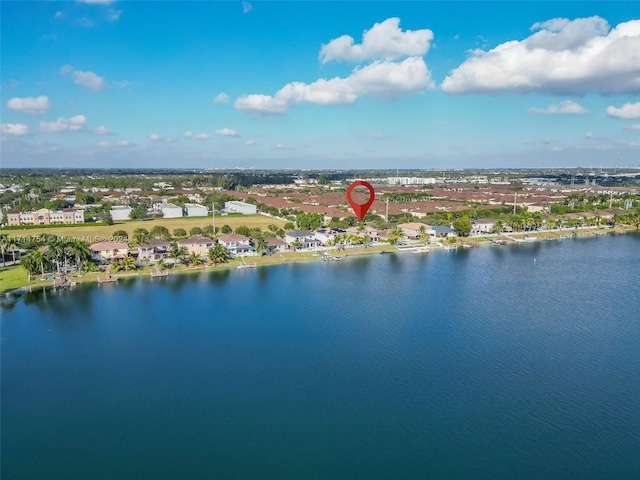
92	233
12	277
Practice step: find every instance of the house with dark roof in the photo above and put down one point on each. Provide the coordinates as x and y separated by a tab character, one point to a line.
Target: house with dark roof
154	250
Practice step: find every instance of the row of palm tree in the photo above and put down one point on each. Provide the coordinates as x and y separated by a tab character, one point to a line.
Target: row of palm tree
57	255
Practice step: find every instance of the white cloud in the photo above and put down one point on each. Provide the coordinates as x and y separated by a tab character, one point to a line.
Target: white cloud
227	132
17	129
628	111
154	137
125	143
58	14
114	15
31	105
202	136
65	69
280	146
102	130
90	80
384	40
377	135
562	57
250	143
246	7
564	107
13	83
103	144
61	125
382	79
588	135
221	98
187	134
633	127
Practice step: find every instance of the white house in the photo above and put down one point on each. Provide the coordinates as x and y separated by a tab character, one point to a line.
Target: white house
482	225
372	233
305	240
326	235
240	207
236	244
195	210
120	212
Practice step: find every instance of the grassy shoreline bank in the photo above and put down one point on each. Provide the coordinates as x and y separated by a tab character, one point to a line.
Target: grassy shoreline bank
15	277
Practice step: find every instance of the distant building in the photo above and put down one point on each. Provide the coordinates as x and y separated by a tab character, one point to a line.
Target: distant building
411	181
240	207
120	212
168	210
45	217
195	210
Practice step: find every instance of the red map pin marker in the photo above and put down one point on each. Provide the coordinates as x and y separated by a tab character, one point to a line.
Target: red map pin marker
360	209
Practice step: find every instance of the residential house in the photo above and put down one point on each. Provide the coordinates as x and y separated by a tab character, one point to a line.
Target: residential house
276	245
411	230
441	231
302	239
370	232
482	226
197	244
104	251
154	250
327	235
238	245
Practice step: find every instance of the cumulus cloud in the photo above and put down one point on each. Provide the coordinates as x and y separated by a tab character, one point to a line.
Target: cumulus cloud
246	7
87	79
202	136
125	143
188	134
102	130
382	79
250	143
62	125
280	146
563	56
633	127
227	132
564	107
628	111
31	105
221	98
17	129
384	40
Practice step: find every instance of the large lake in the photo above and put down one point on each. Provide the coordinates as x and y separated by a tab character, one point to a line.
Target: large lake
515	362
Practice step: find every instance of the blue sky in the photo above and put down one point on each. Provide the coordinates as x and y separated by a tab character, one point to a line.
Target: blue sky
102	83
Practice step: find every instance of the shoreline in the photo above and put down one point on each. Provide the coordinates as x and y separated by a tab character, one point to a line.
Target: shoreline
304	257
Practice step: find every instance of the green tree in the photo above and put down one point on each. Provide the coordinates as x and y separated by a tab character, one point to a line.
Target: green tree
289	226
140	236
138	213
226	229
160	232
29	264
81	252
179	232
121	234
195	231
243	230
127	263
462	226
396	235
262	247
194	260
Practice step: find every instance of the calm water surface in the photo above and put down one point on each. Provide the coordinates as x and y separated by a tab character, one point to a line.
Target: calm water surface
518	362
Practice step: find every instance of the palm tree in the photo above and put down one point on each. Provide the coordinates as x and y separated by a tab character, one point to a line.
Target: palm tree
81	251
128	263
140	236
262	247
218	254
4	243
38	258
396	235
29	263
177	252
194	259
13	246
56	251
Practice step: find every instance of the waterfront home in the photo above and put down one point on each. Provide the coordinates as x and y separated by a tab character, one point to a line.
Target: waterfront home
302	239
104	251
441	231
372	233
197	244
276	245
482	225
236	244
411	230
326	235
154	250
